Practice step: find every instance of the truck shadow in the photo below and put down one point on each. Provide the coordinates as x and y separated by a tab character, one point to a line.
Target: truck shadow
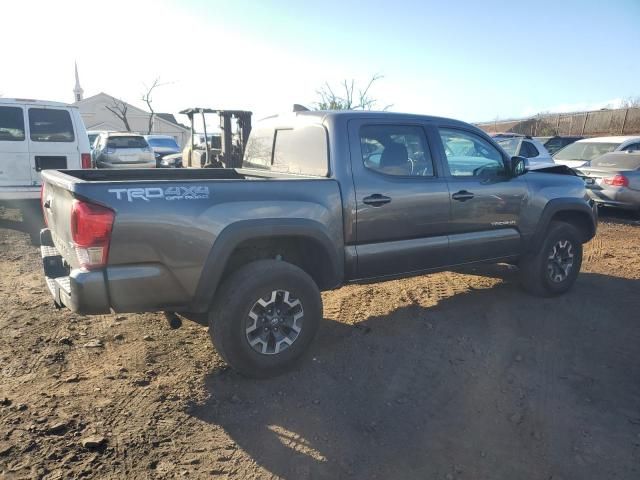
491	383
615	215
27	221
17	225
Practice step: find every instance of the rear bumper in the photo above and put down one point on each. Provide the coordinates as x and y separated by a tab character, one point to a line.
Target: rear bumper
620	197
83	292
127	165
118	288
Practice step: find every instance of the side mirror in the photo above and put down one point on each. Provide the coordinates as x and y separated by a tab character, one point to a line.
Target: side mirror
519	166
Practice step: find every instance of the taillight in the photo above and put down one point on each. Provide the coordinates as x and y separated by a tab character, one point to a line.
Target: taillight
91	231
44	214
617	181
86	160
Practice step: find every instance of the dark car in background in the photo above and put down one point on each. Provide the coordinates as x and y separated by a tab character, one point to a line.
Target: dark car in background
555	143
613	180
163	146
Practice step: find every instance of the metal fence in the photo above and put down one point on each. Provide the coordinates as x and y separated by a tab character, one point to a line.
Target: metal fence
622	121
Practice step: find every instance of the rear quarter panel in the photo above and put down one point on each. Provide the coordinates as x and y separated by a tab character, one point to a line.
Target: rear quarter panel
173	225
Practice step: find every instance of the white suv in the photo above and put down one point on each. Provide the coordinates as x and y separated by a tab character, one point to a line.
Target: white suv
37	135
525	146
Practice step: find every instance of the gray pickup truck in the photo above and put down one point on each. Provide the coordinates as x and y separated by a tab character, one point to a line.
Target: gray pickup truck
323	199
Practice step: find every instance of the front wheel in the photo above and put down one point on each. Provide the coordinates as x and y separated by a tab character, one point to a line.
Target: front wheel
264	317
555	267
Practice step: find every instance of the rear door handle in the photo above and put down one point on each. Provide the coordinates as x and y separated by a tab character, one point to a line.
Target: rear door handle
462	196
376	200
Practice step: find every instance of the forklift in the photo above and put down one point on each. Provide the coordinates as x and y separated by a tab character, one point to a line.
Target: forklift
235	126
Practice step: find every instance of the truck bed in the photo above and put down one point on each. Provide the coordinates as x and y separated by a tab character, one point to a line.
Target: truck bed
166	223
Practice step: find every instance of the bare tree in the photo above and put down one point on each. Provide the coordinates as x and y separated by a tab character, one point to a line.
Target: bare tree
146	98
351	98
630	102
119	109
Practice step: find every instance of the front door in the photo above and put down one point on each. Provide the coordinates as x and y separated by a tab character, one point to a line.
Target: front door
15	170
485	199
402	199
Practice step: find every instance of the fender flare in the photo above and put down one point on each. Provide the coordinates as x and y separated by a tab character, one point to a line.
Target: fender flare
236	233
558	205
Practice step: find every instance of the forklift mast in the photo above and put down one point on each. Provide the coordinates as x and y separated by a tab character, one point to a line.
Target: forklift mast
232	143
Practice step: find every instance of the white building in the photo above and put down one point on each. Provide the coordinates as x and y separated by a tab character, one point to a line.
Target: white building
97	116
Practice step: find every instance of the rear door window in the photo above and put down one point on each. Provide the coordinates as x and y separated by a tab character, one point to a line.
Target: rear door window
396	150
528	150
11	124
50	125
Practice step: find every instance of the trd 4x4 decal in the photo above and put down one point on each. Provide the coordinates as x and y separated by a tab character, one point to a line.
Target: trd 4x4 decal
189	192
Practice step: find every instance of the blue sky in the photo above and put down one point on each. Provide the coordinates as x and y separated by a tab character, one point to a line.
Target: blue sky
470	60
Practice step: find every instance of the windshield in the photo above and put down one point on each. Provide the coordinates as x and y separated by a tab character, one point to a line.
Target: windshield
163	143
509	145
585	150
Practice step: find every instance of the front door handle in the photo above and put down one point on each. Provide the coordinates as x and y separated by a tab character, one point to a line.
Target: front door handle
462	196
376	200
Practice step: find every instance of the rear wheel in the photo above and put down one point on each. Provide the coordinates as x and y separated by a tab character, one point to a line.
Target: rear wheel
264	317
555	267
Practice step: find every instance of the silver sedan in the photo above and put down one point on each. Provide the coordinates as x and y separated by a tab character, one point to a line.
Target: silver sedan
614	180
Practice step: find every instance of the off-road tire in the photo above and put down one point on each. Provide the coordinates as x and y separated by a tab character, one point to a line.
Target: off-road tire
534	268
236	298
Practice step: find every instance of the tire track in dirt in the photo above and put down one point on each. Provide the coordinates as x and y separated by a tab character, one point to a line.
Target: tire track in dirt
593	250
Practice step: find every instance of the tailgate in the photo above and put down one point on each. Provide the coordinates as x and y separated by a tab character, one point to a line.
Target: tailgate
57	203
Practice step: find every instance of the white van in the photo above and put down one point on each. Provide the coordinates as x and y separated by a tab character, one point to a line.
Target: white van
37	135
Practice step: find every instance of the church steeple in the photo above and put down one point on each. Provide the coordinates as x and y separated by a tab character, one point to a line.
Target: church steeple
77	90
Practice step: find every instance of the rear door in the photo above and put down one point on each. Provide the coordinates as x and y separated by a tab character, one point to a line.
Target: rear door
402	199
485	201
52	140
15	170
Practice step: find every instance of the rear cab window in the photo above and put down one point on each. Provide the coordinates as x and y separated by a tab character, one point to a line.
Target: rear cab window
11	124
300	150
50	125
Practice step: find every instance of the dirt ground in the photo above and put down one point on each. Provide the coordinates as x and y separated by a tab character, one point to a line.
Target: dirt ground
448	376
